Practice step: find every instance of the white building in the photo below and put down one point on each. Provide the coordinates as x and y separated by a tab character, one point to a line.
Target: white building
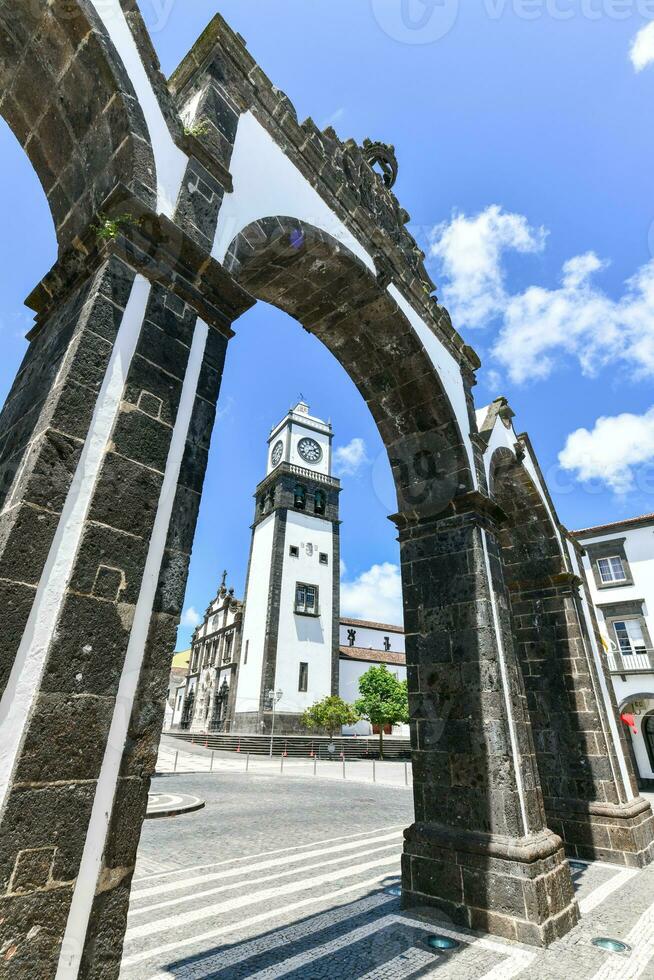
619	566
288	647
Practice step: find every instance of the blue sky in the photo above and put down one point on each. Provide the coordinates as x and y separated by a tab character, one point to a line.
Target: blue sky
525	143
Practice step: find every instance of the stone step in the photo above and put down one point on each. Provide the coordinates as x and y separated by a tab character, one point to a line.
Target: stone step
300	746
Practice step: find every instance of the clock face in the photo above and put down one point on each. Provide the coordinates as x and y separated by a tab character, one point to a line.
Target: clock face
309	450
276	455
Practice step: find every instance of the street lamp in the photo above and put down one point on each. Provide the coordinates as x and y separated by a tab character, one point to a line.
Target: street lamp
274	696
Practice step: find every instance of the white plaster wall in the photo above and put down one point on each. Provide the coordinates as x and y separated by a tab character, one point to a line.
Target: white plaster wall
267	184
639	549
299	432
305	639
254	622
372	639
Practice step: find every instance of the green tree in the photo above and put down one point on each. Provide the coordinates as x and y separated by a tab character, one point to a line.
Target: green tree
329	715
384	700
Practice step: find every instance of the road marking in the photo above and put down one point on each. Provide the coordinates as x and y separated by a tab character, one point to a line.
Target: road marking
641	938
267	894
254	920
279	850
171	886
602	892
193	896
232	956
401	966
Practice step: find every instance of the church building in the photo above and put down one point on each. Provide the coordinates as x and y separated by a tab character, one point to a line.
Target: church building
285	646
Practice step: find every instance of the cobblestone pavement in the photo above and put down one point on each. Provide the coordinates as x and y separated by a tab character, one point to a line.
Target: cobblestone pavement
176	756
287	879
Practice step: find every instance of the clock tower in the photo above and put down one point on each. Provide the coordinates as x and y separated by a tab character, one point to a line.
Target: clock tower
290	643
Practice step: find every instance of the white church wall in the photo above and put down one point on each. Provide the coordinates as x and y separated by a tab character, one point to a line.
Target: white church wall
305	639
371	639
254	624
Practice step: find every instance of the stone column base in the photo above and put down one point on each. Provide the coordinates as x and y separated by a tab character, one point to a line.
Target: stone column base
517	889
618	833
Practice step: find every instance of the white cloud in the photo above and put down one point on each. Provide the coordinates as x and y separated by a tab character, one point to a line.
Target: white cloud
642	48
375	595
349	459
580	320
610	451
470	251
191	617
539	326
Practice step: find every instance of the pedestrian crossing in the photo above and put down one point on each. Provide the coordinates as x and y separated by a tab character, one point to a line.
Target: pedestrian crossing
321	911
308	910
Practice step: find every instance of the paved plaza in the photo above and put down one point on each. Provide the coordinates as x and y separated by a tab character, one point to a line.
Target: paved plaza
287	878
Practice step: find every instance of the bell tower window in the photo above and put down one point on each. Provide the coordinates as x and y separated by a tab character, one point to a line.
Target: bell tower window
300	497
319	502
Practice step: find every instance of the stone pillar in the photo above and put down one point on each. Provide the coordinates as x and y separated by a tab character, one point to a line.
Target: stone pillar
479	850
103	447
588	800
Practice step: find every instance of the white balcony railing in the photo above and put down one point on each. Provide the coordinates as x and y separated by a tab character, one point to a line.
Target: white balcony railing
620	663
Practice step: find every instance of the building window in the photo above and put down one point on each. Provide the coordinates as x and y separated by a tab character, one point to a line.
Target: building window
306	599
629	636
387	643
611	569
228	647
319	502
303	681
294	551
324	559
299	497
245	655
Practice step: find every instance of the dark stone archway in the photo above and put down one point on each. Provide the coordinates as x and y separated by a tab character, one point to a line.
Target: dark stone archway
72	107
586	801
103	447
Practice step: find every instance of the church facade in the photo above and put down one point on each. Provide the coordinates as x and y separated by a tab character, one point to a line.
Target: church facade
262	662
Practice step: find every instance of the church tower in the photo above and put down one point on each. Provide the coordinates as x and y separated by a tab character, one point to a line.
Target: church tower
290	641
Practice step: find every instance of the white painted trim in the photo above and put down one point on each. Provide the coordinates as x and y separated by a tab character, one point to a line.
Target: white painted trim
613	724
517	761
267	185
169	160
23	685
80	910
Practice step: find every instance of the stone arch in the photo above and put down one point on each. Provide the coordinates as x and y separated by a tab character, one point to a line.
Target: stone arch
80	148
577	763
317	280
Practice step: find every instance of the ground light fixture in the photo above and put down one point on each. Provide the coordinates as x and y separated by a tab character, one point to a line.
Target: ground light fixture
577	865
395	890
444	944
610	945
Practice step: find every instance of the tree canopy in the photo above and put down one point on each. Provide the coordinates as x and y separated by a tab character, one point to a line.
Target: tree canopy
329	715
384	700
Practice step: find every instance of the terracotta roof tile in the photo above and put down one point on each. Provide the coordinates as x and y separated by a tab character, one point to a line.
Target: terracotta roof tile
367	624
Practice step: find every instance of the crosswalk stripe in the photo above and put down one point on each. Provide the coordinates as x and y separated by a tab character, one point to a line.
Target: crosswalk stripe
254	920
194	895
400	967
630	967
326	949
279	850
172	886
267	894
602	892
266	943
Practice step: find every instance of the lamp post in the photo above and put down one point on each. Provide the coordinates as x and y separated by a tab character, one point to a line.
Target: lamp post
274	696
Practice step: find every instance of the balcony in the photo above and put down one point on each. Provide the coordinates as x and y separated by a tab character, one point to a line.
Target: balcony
620	663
